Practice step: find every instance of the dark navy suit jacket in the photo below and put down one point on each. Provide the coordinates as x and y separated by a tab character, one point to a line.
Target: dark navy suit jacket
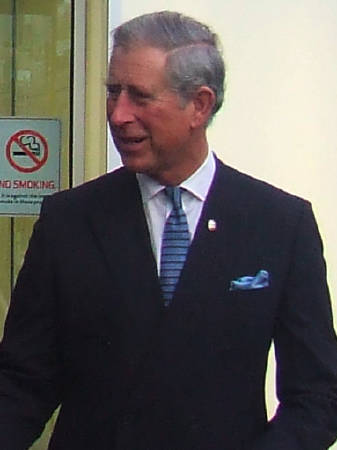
86	327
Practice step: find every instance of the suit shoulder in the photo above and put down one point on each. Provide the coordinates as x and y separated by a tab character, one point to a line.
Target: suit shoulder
88	194
249	189
257	200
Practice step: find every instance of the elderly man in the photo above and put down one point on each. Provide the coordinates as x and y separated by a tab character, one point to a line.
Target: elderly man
149	298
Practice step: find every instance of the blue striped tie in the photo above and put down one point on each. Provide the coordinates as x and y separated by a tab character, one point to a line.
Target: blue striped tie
175	243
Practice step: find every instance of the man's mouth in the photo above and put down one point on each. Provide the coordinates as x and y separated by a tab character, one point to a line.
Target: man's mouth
129	140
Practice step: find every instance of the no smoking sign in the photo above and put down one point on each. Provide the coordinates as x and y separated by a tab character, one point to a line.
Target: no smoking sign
29	163
27	151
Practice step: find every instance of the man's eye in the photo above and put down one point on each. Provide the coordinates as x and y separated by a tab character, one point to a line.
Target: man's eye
139	96
139	99
113	92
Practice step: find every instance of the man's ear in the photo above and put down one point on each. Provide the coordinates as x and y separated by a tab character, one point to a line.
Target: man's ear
203	101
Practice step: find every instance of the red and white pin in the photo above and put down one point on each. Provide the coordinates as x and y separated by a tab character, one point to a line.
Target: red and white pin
211	225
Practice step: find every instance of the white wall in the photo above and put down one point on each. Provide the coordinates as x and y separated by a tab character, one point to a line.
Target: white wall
279	118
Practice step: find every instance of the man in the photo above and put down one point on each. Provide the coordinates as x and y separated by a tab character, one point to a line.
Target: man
98	325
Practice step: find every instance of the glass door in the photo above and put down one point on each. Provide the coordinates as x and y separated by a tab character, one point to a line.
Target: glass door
35	81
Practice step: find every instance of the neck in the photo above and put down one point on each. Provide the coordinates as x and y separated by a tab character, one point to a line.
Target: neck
176	175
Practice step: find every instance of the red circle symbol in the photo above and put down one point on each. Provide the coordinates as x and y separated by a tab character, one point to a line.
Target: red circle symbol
27	151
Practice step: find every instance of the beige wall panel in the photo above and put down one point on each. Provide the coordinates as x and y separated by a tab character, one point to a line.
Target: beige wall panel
96	72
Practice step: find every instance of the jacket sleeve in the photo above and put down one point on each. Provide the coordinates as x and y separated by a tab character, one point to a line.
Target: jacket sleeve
306	351
29	364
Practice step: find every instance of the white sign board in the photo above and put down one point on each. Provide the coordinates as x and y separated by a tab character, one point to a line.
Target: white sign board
29	163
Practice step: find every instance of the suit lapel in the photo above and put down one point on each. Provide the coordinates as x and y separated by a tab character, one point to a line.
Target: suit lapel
120	227
214	254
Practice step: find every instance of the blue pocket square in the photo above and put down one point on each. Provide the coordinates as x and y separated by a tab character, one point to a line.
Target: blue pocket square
261	280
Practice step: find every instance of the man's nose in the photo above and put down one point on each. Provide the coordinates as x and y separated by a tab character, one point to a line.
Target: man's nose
120	110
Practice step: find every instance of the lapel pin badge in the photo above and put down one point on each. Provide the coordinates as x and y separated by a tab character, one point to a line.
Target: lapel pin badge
211	225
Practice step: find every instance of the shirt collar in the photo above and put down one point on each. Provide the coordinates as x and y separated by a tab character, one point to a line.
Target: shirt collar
197	184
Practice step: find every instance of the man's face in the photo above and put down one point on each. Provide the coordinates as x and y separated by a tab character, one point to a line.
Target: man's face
151	127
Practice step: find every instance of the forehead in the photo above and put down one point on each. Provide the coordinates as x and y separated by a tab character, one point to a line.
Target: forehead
137	65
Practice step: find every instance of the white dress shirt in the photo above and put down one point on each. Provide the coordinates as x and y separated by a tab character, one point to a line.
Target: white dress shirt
157	206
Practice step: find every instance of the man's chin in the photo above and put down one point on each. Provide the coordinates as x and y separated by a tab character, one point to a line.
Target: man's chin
134	165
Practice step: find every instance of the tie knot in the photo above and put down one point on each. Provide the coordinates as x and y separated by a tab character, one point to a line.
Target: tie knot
174	194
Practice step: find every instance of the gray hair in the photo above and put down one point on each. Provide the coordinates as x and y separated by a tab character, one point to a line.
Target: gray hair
194	58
